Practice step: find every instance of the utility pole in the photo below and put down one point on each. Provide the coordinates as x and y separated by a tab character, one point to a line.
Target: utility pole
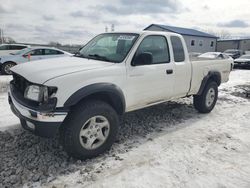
112	27
106	29
1	38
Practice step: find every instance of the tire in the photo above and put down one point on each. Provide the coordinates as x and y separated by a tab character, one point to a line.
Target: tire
6	68
94	120
205	102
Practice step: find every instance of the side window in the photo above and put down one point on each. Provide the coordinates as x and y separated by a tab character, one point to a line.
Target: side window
192	42
20	47
200	43
12	47
51	52
4	47
36	52
16	47
212	44
157	46
178	50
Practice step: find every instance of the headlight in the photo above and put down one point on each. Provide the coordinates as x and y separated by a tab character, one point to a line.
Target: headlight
39	93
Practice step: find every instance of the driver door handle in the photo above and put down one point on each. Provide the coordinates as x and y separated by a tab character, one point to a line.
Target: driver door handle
169	71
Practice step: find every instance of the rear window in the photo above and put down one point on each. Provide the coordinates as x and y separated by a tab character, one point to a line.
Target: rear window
179	54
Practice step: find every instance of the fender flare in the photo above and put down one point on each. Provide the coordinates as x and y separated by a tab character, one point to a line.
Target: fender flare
212	75
114	93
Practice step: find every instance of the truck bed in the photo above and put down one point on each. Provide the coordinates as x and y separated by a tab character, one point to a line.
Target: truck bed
201	67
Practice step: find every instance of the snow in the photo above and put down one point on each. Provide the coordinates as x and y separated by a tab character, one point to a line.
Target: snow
7	119
202	150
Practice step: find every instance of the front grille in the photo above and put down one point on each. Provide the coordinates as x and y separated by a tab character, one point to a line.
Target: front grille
20	83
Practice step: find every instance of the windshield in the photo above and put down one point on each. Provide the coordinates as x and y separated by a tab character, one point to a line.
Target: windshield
112	47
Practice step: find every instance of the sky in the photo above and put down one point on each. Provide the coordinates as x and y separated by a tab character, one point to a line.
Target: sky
77	21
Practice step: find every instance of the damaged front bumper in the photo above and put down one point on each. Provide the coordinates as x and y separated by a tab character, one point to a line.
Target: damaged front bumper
45	124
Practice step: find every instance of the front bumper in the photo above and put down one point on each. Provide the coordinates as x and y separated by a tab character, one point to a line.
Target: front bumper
43	124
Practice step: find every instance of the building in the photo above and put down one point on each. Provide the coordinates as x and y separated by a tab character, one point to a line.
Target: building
196	41
240	44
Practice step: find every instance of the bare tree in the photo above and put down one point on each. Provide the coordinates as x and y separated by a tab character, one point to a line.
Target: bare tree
54	43
7	40
222	34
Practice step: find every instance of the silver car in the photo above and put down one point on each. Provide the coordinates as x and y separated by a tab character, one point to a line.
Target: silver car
29	54
6	49
243	61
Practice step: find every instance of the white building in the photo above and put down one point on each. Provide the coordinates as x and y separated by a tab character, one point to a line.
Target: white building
240	44
196	41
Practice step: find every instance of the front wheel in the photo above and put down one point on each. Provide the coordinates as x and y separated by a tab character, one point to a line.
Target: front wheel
90	129
6	68
205	102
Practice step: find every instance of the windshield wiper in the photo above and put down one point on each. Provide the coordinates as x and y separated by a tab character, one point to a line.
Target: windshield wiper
80	55
99	57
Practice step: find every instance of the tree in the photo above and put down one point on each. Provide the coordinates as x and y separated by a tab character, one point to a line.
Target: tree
54	43
222	34
7	40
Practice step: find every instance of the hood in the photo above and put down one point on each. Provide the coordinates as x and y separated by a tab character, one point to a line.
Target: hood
42	70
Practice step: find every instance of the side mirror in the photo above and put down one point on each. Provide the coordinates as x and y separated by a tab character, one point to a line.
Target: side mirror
25	55
144	58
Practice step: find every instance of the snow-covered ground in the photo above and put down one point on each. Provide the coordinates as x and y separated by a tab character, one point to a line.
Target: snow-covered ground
168	145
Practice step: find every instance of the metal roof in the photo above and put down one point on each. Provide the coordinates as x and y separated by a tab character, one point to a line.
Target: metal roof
183	31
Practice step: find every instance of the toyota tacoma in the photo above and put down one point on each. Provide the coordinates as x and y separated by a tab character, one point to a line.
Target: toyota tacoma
81	97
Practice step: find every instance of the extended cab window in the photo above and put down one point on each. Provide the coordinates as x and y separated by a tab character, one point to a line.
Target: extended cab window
157	46
178	49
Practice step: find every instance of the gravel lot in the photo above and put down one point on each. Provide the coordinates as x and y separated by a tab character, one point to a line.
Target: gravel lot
27	158
29	161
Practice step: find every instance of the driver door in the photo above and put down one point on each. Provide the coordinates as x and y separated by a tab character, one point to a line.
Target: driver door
151	83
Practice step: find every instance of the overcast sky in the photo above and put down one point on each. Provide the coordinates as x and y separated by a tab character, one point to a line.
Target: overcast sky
76	21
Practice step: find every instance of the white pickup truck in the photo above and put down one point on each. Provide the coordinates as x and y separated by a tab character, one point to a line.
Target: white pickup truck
82	96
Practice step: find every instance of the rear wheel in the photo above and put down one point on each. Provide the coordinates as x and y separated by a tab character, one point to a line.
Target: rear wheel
90	129
205	102
6	68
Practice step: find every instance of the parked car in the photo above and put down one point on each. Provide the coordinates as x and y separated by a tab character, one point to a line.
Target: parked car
214	55
82	96
242	61
194	54
234	53
6	49
29	54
